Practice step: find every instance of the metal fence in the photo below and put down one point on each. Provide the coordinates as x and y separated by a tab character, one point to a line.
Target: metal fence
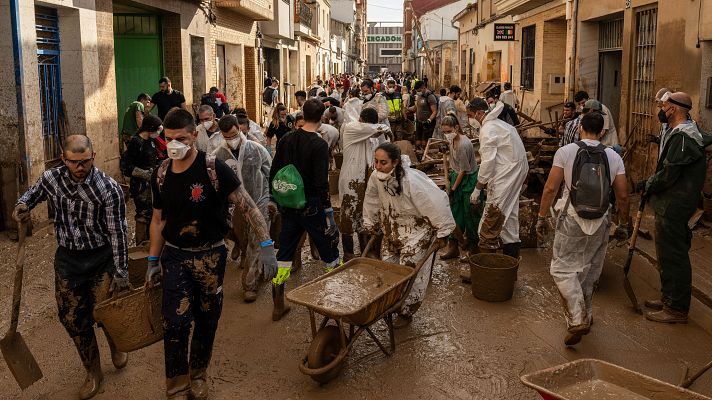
50	82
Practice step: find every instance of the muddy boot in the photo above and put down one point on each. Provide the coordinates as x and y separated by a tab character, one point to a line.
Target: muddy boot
654	304
511	249
235	252
667	316
278	298
141	231
250	296
92	382
452	251
177	388
347	241
118	358
199	384
575	333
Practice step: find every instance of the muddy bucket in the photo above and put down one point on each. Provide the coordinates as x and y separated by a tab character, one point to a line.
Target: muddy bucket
493	276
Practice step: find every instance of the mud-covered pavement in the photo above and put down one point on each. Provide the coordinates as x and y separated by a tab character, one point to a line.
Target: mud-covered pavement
457	347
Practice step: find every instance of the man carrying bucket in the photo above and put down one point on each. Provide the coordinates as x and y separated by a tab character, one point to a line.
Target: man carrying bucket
581	237
91	257
191	195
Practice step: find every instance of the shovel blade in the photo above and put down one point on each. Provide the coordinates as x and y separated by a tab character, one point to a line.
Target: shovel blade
20	360
631	295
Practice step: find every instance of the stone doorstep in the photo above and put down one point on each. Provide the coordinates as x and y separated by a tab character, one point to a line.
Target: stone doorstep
701	260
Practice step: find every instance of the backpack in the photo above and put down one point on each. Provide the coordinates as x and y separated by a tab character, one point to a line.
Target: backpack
211	100
267	95
590	192
288	188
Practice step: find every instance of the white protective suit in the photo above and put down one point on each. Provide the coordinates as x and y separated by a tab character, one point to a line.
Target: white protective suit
207	144
503	168
352	110
410	221
358	148
446	105
252	167
255	134
380	104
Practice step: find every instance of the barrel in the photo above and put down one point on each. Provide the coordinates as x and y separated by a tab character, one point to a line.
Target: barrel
493	276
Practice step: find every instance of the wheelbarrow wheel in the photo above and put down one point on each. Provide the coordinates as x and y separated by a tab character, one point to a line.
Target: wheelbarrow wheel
325	347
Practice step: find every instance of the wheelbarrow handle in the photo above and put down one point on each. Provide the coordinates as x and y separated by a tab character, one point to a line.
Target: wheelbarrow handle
370	243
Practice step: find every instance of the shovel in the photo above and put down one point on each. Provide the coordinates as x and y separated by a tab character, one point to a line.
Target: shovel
17	355
631	249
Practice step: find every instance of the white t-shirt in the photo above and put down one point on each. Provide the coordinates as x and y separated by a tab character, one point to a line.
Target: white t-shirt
564	158
611	138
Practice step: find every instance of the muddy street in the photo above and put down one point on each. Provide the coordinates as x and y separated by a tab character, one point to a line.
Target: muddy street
457	347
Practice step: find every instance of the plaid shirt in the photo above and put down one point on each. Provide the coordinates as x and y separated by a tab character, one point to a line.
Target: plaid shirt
88	215
571	133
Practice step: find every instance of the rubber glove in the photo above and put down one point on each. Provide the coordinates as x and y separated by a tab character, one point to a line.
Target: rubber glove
268	259
144	174
542	228
475	197
154	268
330	223
119	284
282	275
21	213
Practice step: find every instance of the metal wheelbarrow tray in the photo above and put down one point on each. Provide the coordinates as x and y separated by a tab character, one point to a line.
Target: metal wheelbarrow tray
359	294
595	379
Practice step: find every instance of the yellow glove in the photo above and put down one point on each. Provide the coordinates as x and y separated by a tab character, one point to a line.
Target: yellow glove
282	275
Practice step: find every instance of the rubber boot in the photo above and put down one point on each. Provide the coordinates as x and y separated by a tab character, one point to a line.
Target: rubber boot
452	251
178	387
199	387
347	242
511	249
278	298
118	358
92	382
141	232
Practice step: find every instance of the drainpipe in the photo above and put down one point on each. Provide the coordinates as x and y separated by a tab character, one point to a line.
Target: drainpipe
22	167
574	35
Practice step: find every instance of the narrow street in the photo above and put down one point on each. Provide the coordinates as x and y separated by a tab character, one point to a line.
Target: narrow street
457	347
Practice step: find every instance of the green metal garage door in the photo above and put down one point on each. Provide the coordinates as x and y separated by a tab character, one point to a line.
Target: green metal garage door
137	50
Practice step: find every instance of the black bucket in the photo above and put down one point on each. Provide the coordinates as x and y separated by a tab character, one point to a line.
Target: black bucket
493	276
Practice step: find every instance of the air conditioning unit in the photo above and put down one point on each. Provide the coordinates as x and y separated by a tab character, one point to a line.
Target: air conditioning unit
557	84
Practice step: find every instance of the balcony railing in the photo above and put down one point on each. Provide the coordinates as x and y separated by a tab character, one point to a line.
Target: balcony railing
303	14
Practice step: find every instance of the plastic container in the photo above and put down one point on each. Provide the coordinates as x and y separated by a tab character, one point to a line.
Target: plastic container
493	276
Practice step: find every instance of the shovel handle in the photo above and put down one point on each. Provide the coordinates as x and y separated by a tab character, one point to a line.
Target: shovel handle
17	286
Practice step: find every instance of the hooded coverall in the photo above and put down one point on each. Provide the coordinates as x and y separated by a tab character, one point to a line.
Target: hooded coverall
503	168
409	220
251	165
674	193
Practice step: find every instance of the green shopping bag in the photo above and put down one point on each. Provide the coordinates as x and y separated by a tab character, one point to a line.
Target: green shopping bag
288	188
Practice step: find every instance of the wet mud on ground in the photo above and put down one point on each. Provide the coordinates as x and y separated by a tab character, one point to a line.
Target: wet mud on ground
456	348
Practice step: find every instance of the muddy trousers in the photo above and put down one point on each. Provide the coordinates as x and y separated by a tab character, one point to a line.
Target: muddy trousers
410	255
576	265
313	221
144	213
82	279
192	293
672	245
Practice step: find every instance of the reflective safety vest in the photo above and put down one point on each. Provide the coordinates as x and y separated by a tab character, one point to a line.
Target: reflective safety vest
395	102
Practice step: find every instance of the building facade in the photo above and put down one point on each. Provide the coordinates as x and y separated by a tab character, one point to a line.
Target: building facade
385	48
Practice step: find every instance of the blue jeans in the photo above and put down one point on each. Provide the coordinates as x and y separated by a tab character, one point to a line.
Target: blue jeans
192	292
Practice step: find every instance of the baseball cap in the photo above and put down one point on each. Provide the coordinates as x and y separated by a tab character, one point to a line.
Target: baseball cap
593	105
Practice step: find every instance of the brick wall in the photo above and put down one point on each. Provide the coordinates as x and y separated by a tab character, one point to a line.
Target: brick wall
173	50
252	100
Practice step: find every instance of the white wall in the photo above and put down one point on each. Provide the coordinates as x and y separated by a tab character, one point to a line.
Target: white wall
343	11
436	24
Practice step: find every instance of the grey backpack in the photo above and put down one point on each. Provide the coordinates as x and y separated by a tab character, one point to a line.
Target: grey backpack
590	193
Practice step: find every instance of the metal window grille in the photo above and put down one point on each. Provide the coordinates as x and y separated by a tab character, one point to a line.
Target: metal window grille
642	107
48	51
528	45
610	35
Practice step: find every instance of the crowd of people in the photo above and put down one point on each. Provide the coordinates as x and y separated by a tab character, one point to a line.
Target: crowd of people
200	181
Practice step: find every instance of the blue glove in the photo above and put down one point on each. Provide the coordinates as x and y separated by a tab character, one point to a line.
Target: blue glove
154	268
331	228
268	259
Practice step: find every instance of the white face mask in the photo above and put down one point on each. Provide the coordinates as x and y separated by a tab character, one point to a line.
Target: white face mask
450	136
207	124
473	121
235	143
384	176
177	150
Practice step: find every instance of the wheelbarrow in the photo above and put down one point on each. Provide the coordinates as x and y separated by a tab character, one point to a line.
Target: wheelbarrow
595	379
355	296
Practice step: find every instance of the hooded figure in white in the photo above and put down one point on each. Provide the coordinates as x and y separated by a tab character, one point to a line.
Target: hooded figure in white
411	211
503	170
352	109
358	147
375	100
251	164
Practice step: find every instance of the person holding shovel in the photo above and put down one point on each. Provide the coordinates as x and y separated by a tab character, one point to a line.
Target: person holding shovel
582	228
92	254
